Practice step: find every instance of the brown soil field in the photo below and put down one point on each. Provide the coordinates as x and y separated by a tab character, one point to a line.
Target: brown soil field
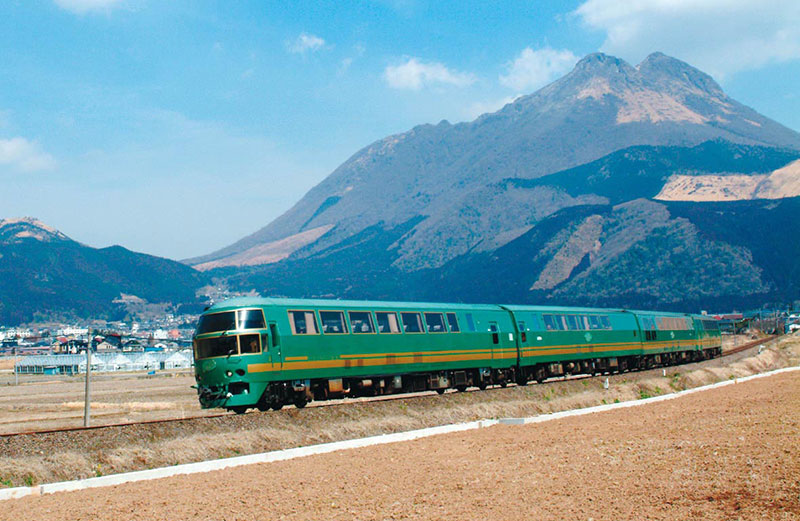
726	453
52	402
60	456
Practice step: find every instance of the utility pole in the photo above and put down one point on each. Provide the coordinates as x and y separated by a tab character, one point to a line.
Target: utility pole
87	396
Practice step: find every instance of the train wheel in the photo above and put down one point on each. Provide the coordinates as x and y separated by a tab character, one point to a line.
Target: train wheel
300	401
461	388
440	391
482	386
240	409
277	406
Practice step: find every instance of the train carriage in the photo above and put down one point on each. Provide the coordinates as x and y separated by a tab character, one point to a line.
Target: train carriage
265	353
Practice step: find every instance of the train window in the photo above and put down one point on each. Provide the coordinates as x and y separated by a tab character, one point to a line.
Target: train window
710	325
216	322
572	322
594	322
251	319
249	344
521	325
303	323
552	322
606	322
332	322
435	323
361	322
219	346
470	322
412	322
452	321
387	322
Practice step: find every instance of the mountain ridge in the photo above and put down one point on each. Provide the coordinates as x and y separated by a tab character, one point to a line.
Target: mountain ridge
442	171
45	274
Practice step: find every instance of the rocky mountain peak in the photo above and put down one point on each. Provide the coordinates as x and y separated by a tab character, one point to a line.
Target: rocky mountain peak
599	63
666	72
14	230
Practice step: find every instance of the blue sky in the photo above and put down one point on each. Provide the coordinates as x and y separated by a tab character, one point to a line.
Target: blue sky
177	127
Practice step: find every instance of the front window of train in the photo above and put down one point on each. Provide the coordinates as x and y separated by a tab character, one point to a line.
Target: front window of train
228	343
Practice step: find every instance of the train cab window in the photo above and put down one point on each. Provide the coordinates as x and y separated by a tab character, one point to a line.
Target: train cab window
594	322
361	322
387	322
470	322
521	325
452	321
332	322
251	319
303	323
213	322
412	323
606	322
218	346
435	323
249	344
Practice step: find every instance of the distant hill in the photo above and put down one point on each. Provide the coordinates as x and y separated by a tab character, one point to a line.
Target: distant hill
45	274
615	185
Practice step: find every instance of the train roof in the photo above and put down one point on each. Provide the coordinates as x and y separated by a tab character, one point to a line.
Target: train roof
334	303
239	302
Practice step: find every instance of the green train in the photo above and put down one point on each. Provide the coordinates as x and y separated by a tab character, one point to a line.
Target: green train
268	352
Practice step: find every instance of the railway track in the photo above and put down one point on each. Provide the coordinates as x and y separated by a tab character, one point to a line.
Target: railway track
333	403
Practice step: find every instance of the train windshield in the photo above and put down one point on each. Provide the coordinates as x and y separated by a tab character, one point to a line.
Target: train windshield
251	319
220	346
216	322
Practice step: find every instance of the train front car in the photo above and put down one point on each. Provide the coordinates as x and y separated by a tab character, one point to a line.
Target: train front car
229	337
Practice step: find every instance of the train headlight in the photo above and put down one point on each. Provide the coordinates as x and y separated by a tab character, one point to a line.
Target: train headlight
228	374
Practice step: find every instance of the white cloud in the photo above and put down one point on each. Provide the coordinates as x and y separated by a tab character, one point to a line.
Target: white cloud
535	68
414	74
721	37
84	6
24	155
306	43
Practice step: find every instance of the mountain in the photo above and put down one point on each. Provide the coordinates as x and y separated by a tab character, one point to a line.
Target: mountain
45	274
589	170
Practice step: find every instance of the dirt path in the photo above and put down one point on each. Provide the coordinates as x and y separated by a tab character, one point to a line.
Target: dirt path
728	453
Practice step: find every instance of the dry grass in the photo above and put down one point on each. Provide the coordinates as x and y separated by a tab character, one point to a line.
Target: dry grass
41	403
7	363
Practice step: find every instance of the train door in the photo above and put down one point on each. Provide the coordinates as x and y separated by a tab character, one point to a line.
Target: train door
274	346
494	332
503	342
